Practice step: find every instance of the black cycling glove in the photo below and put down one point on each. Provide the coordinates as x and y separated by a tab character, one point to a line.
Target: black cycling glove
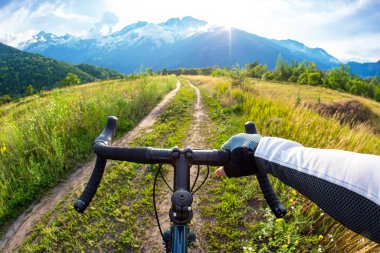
242	147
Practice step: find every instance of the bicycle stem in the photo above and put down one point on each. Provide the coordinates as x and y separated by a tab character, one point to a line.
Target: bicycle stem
181	211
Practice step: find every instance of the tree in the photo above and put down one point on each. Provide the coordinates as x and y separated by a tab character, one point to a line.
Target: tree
282	71
238	76
149	71
337	78
29	90
249	67
303	78
279	67
314	78
267	75
70	79
255	70
312	67
376	93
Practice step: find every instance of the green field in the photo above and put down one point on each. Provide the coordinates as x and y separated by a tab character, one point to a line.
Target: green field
46	136
238	209
122	210
235	218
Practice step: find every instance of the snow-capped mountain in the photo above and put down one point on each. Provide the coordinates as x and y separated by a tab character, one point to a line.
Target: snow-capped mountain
186	42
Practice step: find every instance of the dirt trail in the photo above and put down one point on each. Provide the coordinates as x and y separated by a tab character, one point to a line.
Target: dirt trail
16	233
200	127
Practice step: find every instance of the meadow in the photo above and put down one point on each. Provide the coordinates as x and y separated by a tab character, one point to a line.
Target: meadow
235	217
239	217
121	216
47	136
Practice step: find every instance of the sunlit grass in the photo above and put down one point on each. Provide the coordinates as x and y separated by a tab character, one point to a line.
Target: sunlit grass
121	213
272	107
236	216
44	137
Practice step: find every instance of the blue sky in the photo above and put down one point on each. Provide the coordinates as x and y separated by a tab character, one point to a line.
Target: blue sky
347	29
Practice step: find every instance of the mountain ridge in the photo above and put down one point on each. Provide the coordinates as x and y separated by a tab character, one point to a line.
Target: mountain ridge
163	44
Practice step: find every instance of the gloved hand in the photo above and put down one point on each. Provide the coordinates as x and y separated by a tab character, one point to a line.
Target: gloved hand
242	148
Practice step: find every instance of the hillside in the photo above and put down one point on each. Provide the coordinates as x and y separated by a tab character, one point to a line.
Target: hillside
176	43
19	69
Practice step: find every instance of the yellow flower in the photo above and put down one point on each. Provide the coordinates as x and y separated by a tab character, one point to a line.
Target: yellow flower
297	242
291	200
284	246
3	149
279	220
294	192
320	237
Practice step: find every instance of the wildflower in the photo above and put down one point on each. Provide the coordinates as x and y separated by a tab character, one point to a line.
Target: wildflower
284	246
279	220
320	237
294	192
291	200
322	214
297	242
3	149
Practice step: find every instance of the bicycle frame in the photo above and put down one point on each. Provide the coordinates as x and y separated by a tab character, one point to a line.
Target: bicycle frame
179	238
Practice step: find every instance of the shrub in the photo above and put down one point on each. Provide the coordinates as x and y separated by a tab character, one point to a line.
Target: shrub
351	112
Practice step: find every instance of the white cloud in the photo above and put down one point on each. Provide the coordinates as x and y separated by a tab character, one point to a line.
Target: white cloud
21	19
104	26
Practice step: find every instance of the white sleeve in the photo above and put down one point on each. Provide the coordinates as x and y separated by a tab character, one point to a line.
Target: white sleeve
344	184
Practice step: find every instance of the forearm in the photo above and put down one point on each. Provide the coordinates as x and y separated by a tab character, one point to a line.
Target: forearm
345	185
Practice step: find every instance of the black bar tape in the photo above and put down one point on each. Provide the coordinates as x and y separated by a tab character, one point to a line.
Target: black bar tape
210	157
275	205
137	155
85	199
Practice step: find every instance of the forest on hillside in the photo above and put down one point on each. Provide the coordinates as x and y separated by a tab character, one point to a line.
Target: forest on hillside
19	70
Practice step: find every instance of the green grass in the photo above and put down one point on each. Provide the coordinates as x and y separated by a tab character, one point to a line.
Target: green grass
236	218
239	219
122	209
44	137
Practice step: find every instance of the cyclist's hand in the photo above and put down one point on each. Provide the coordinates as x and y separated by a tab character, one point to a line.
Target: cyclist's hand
242	148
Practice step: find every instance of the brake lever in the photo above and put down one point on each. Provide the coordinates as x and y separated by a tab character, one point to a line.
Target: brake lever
270	196
105	137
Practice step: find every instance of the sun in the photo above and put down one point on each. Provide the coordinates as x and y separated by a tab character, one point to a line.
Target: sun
228	30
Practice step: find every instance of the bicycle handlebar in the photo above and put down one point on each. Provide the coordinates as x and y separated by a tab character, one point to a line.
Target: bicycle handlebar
147	155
